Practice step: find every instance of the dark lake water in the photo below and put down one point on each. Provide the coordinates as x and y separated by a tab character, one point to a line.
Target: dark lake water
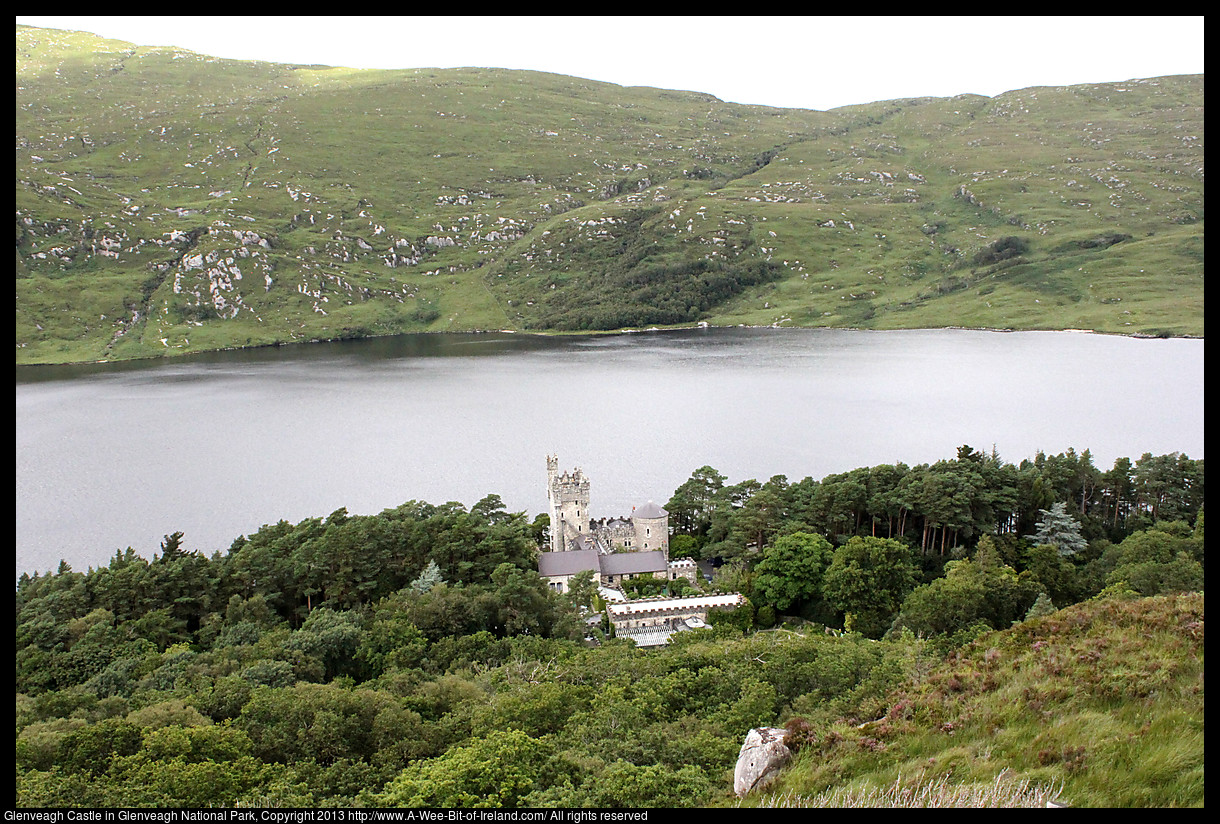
217	445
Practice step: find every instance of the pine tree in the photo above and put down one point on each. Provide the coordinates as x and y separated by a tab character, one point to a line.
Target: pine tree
1058	528
1042	606
171	547
430	577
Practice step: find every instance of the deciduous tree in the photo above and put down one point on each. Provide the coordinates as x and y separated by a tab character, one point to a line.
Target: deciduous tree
869	577
790	573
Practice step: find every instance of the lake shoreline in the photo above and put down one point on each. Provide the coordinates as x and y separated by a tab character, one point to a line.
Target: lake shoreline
586	333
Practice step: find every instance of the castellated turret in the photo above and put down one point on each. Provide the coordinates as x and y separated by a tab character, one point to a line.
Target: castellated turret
568	496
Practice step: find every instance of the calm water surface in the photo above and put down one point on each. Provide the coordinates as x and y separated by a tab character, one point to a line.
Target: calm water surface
218	445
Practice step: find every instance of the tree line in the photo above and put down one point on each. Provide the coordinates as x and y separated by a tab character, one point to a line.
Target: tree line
938	507
946	549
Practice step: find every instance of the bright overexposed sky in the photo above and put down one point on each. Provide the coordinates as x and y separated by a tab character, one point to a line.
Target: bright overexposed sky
800	62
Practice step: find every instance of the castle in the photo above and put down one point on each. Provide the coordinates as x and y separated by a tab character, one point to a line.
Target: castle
618	549
614	549
572	529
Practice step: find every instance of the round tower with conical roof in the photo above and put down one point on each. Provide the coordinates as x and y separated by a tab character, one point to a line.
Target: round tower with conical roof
651	528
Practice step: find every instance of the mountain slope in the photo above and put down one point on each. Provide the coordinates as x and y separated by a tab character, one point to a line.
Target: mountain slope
1098	704
170	202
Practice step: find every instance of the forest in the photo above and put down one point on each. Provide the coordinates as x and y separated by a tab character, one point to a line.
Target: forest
415	657
634	280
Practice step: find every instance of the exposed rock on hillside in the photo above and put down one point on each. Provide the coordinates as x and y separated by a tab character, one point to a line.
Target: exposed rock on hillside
762	756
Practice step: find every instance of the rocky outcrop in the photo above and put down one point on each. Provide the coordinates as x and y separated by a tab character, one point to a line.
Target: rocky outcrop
762	755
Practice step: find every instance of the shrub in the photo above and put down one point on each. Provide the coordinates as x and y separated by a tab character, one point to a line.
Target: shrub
798	733
1001	249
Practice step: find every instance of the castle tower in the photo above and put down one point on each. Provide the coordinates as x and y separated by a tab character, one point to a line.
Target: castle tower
651	528
568	498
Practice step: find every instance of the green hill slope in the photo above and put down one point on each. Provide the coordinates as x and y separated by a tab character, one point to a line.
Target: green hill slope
169	202
1098	704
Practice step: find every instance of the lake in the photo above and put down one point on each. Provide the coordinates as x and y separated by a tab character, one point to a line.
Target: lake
216	445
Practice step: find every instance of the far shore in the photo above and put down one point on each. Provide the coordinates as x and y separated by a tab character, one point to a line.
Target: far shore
582	333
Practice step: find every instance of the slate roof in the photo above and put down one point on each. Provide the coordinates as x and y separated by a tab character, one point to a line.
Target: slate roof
619	563
568	563
649	510
633	563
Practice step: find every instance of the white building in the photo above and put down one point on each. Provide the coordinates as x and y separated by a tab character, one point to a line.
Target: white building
646	529
651	621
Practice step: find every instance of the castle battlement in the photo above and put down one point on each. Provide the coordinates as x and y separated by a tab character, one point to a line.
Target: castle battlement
572	526
569	487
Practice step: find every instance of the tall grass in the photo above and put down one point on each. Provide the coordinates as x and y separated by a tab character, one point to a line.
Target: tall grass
929	792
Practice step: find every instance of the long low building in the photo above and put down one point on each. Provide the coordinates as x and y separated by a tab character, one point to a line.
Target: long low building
650	621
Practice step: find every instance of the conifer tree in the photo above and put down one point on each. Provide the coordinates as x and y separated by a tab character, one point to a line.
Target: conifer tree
1058	528
1042	606
430	577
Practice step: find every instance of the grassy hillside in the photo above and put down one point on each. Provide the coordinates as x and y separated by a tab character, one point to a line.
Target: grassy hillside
169	202
1098	704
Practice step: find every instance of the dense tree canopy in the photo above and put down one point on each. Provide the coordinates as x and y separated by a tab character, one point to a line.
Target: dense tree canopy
790	573
868	578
